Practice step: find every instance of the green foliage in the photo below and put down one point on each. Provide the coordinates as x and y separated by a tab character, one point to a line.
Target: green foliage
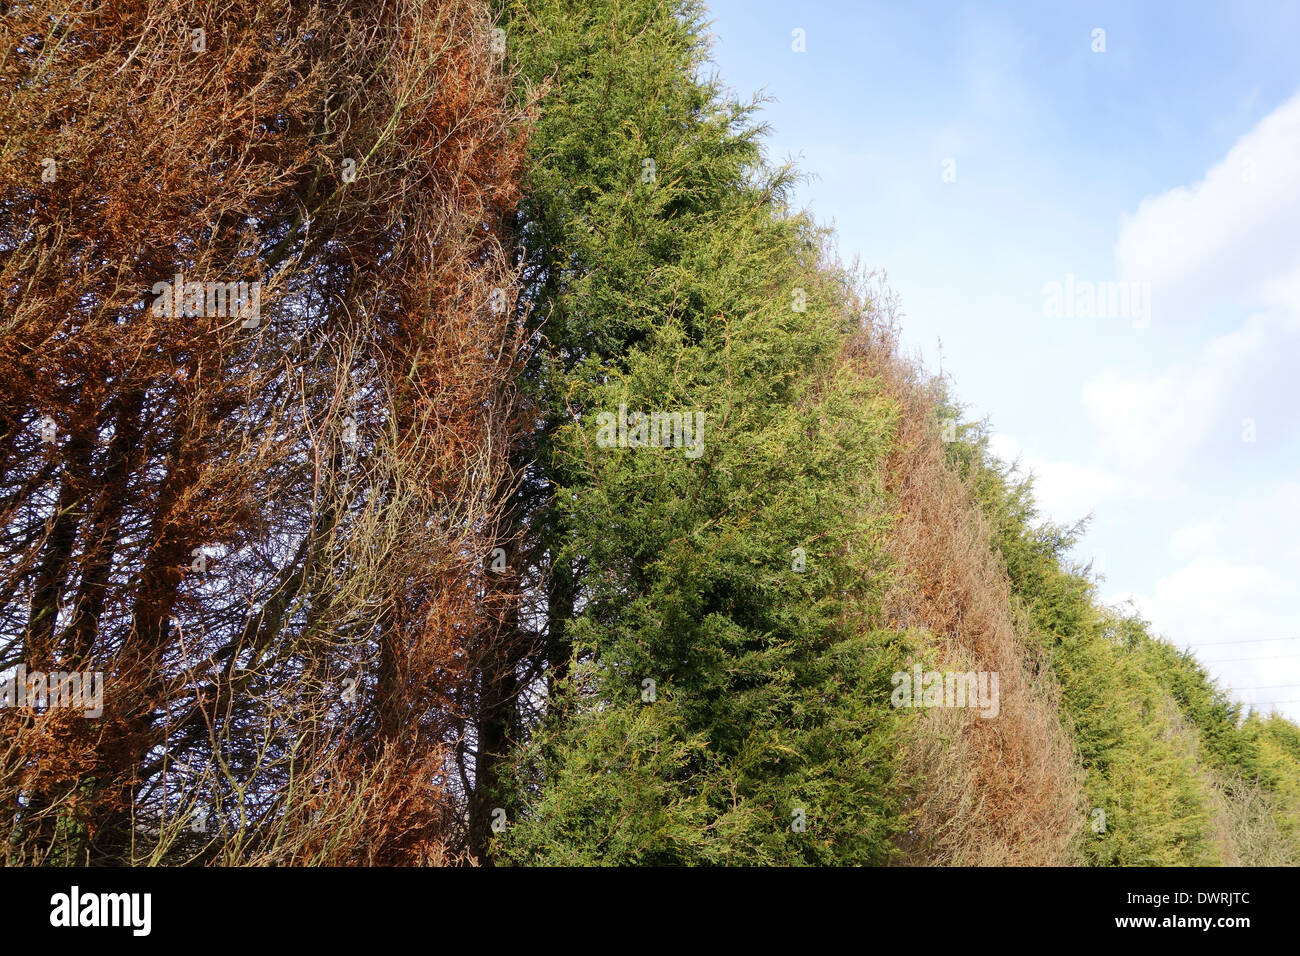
706	702
678	295
1153	731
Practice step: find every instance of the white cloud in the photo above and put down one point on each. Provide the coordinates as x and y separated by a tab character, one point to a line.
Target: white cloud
1195	539
1210	600
1065	491
1232	234
1229	241
1156	422
1235	597
1235	618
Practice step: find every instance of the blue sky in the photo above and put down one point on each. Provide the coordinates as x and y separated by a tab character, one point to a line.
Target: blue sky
1169	162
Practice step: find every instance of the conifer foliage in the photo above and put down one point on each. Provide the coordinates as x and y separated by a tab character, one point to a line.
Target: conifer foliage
440	433
264	521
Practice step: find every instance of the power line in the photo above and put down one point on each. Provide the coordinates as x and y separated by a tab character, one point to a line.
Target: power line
1230	660
1253	640
1272	703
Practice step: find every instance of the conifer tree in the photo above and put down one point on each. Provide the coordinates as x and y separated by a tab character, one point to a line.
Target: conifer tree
714	643
262	512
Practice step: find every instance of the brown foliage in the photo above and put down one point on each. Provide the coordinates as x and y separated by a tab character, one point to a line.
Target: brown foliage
236	522
1002	791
